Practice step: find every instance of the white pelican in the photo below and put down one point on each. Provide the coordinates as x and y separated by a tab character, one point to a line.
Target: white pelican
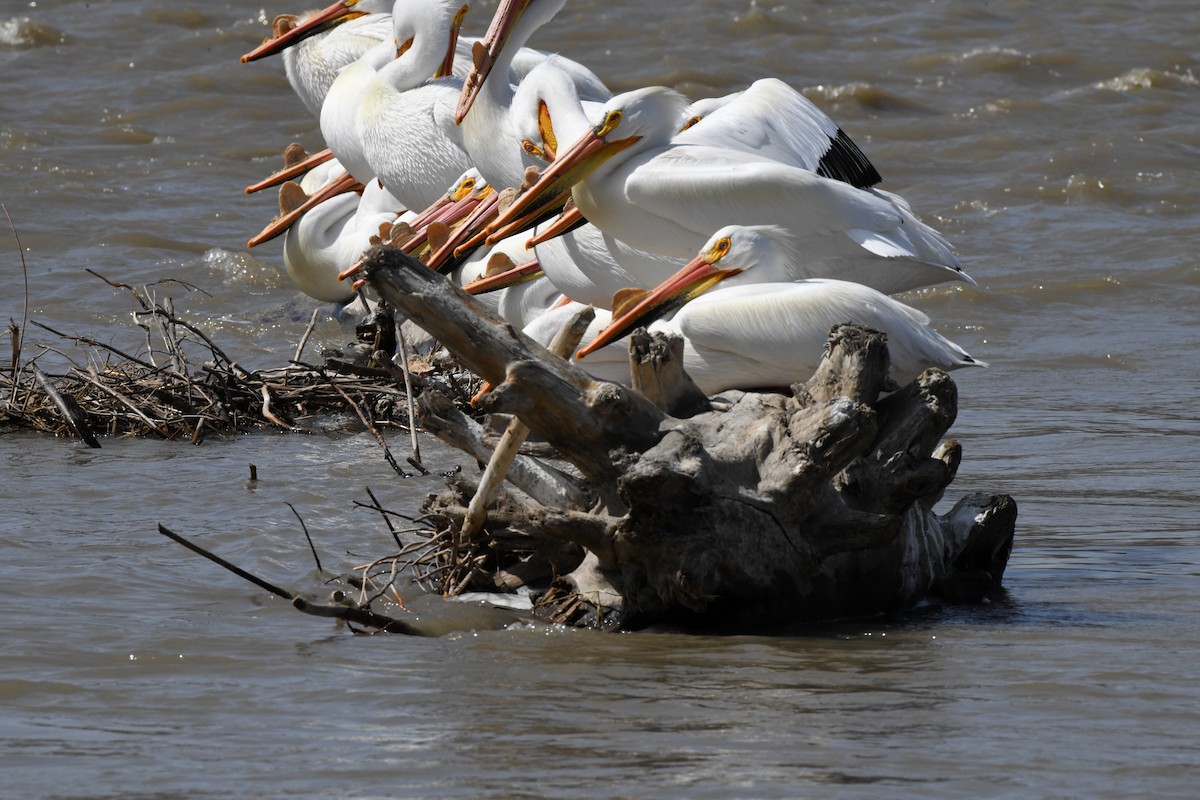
317	45
404	117
488	95
332	235
487	129
421	50
769	119
635	183
341	135
584	264
763	335
338	113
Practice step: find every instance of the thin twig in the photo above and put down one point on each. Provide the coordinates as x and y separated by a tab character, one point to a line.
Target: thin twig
16	359
387	454
390	584
387	512
117	285
171	339
312	324
408	390
90	342
362	616
216	351
191	287
268	414
216	559
388	522
311	546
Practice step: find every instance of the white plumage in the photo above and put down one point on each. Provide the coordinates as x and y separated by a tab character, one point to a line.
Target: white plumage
748	335
636	182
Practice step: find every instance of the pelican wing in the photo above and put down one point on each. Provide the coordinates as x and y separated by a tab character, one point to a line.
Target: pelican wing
772	120
702	189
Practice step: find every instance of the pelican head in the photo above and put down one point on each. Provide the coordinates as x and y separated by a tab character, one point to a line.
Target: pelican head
546	85
644	117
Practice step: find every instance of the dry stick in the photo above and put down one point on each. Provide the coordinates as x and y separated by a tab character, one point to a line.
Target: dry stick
171	339
312	324
29	395
149	343
75	420
363	616
390	584
406	373
415	548
268	414
408	390
216	559
14	334
16	357
90	342
564	343
304	527
387	454
197	435
124	401
182	364
388	522
217	352
387	513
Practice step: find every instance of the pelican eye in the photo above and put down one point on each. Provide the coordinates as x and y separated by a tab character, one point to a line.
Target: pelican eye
690	123
533	149
463	189
719	249
611	120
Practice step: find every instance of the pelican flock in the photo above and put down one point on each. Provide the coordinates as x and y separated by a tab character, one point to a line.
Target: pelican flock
748	224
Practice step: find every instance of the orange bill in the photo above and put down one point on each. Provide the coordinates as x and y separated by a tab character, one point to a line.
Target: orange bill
288	29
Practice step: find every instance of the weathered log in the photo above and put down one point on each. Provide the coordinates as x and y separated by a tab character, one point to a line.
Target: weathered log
565	342
656	367
759	510
597	426
539	480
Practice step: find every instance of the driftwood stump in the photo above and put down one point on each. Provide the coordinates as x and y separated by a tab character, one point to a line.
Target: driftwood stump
745	510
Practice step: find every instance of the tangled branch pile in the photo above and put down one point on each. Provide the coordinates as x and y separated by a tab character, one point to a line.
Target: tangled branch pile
182	386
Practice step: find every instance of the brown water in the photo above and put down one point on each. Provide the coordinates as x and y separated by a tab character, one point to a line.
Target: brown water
1057	144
